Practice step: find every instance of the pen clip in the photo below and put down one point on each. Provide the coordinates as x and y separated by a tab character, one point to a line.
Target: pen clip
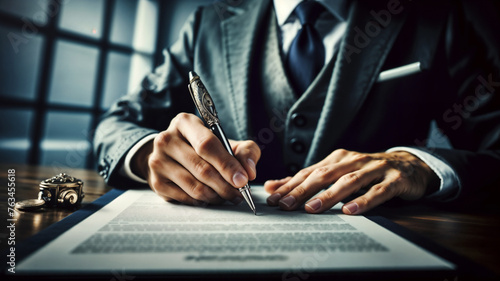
203	101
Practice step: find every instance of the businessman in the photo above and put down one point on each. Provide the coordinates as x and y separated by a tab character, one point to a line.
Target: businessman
300	90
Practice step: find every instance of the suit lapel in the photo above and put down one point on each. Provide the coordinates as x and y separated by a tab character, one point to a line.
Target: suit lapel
356	69
239	36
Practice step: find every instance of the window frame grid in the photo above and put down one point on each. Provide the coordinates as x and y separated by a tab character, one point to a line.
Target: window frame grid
51	33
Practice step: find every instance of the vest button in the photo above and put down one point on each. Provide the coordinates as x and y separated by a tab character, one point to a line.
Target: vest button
299	120
293	168
297	145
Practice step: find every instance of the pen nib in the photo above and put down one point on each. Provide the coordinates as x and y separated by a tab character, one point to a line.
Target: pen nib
254	212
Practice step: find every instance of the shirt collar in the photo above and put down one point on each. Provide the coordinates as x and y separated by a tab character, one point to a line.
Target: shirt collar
284	8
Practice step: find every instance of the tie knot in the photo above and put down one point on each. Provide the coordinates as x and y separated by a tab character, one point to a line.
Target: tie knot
308	12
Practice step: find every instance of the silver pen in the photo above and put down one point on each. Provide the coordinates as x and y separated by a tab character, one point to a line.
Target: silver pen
206	107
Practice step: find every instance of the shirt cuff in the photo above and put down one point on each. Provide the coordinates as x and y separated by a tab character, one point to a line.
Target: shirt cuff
127	170
450	184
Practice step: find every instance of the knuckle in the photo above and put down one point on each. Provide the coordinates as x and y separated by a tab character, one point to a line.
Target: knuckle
328	195
350	179
230	165
386	189
182	117
177	119
360	157
322	173
300	191
158	185
383	163
204	170
197	190
341	151
305	172
381	189
154	162
363	201
205	145
162	139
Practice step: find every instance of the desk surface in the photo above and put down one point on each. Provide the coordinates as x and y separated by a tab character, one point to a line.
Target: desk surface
472	235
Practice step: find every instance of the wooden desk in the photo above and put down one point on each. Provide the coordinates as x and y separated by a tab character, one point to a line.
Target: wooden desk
27	179
472	235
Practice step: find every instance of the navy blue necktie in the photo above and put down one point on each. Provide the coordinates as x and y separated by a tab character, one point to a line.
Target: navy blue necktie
307	52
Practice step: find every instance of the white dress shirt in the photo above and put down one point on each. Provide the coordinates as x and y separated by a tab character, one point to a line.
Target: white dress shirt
331	35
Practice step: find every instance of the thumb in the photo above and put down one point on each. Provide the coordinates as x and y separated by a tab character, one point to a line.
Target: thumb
248	154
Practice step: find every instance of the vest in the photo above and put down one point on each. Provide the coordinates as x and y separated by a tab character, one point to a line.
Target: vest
281	124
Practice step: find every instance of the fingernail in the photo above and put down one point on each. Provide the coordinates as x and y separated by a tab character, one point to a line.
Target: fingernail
314	204
351	207
251	163
273	199
239	179
237	200
288	201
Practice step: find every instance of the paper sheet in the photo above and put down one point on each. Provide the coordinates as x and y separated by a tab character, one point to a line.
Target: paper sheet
140	232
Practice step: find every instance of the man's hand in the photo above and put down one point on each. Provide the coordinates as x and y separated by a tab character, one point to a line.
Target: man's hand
384	175
188	163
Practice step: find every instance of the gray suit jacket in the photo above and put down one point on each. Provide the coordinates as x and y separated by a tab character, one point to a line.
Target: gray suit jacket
457	87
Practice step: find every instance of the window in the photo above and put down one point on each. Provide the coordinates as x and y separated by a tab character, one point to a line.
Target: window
63	64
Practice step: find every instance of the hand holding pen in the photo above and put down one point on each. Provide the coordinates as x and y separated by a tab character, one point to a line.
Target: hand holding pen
187	163
206	107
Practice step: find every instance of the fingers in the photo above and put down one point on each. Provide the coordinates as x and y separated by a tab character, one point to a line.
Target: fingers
282	187
271	186
385	176
345	186
248	154
192	172
375	196
309	182
172	193
189	163
208	147
322	173
169	189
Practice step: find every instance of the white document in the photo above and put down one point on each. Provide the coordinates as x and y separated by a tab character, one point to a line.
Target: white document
139	232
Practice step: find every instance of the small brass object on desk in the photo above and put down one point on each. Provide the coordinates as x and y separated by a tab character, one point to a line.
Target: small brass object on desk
61	190
30	204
